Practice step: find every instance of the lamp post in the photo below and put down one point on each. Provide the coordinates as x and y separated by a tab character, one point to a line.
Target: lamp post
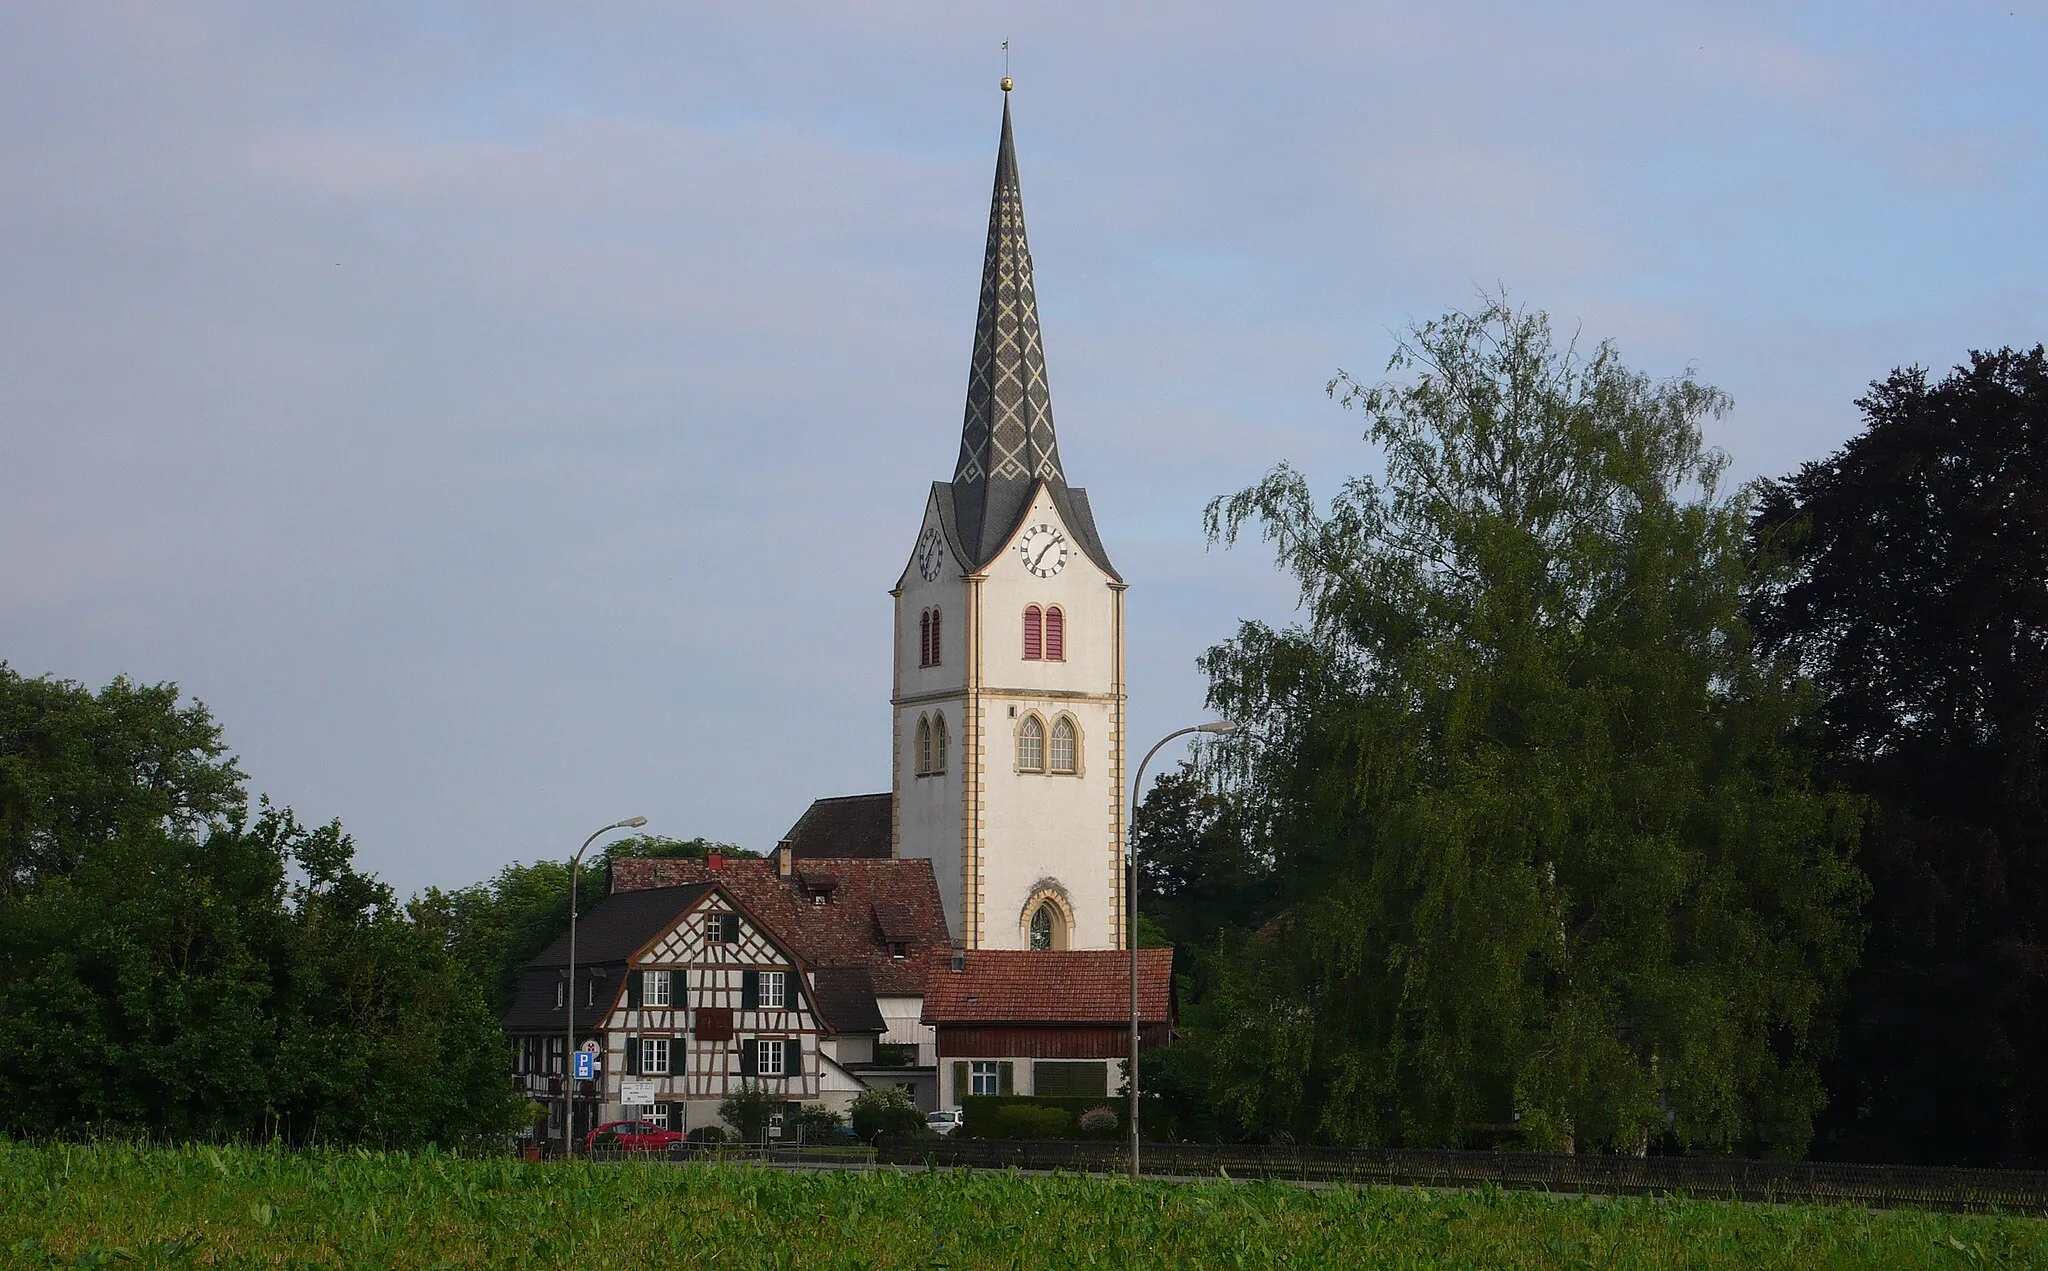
1131	935
569	996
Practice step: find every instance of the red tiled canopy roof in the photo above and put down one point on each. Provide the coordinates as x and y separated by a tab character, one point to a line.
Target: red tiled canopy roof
1017	986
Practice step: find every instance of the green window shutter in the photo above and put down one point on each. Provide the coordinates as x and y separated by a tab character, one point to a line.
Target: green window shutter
632	1056
793	1057
634	986
961	1086
750	1057
792	988
750	990
1006	1078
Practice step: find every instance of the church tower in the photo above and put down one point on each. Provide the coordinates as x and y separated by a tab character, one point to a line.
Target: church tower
1009	684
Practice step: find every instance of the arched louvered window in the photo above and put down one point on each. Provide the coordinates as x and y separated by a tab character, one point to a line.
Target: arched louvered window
1066	746
1055	634
924	638
936	657
1034	633
1031	745
938	744
924	746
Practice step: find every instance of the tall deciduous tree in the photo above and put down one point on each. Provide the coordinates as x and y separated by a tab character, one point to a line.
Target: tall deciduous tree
1548	863
168	964
1908	575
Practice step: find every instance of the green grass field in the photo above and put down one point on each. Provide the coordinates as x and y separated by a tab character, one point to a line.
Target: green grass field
206	1207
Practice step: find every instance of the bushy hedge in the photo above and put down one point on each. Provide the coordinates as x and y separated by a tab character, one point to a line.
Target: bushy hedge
986	1118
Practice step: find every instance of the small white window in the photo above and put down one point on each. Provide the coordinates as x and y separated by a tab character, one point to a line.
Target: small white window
654	988
590	991
938	744
561	993
771	1057
982	1077
772	993
722	928
924	746
656	1113
653	1055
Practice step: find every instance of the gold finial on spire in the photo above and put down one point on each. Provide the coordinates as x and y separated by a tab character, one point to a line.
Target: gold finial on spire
1007	81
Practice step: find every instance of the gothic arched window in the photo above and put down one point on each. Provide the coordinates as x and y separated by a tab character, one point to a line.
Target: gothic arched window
1034	633
924	746
924	638
1041	927
938	764
936	657
1055	634
1066	745
1031	745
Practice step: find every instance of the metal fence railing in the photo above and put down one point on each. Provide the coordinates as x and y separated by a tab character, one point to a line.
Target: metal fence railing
1700	1177
756	1153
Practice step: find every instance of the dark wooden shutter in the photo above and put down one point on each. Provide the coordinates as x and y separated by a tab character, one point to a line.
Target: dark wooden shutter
750	1057
1034	636
937	657
1006	1078
793	1057
632	1056
962	1085
1055	635
750	990
924	638
634	987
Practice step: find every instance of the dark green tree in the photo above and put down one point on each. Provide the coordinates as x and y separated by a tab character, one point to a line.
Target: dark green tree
167	965
1546	860
1908	576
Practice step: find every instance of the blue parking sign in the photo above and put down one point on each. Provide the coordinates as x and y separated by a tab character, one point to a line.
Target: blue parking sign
586	1065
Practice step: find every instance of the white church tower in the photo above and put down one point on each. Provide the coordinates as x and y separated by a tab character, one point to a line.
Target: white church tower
1009	684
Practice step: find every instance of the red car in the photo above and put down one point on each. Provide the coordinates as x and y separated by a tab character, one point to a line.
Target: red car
631	1136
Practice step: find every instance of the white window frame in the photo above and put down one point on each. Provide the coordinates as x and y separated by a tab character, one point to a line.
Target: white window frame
561	994
1071	765
715	926
774	990
984	1070
763	1063
650	1048
656	988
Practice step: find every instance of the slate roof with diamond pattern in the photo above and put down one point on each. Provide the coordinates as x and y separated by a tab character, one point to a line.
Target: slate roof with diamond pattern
1007	444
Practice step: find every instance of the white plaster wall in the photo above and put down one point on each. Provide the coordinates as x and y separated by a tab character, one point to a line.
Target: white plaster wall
1040	826
929	818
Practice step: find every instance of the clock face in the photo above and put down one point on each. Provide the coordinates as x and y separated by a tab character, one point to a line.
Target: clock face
931	553
1044	550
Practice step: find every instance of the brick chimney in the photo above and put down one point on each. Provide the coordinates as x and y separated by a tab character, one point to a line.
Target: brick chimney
784	866
715	861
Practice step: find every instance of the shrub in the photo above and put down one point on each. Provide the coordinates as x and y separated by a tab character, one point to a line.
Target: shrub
1024	1121
707	1134
1099	1123
747	1111
814	1124
886	1110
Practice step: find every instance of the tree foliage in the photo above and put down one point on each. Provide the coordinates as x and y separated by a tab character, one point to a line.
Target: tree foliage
1543	856
1908	576
170	963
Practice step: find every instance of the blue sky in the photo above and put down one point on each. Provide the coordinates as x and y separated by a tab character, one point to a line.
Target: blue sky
511	417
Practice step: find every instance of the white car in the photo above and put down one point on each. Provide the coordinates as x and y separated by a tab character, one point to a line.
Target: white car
945	1120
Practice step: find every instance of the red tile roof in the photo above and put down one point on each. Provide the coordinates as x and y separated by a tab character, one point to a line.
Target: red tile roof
1081	986
870	904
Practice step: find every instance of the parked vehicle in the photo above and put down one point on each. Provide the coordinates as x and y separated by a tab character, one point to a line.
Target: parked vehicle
631	1136
946	1120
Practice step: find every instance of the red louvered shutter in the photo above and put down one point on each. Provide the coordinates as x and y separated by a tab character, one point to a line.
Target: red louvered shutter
937	659
1055	635
1034	634
924	638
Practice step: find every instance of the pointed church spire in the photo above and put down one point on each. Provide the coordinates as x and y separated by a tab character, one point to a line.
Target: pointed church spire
1006	441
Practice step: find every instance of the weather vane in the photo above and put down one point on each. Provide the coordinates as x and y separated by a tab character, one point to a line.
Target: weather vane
1006	66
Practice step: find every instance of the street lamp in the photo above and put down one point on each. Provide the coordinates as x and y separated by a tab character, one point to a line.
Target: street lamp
569	997
1131	936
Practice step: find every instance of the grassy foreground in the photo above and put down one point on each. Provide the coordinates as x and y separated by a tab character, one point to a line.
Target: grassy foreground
208	1207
